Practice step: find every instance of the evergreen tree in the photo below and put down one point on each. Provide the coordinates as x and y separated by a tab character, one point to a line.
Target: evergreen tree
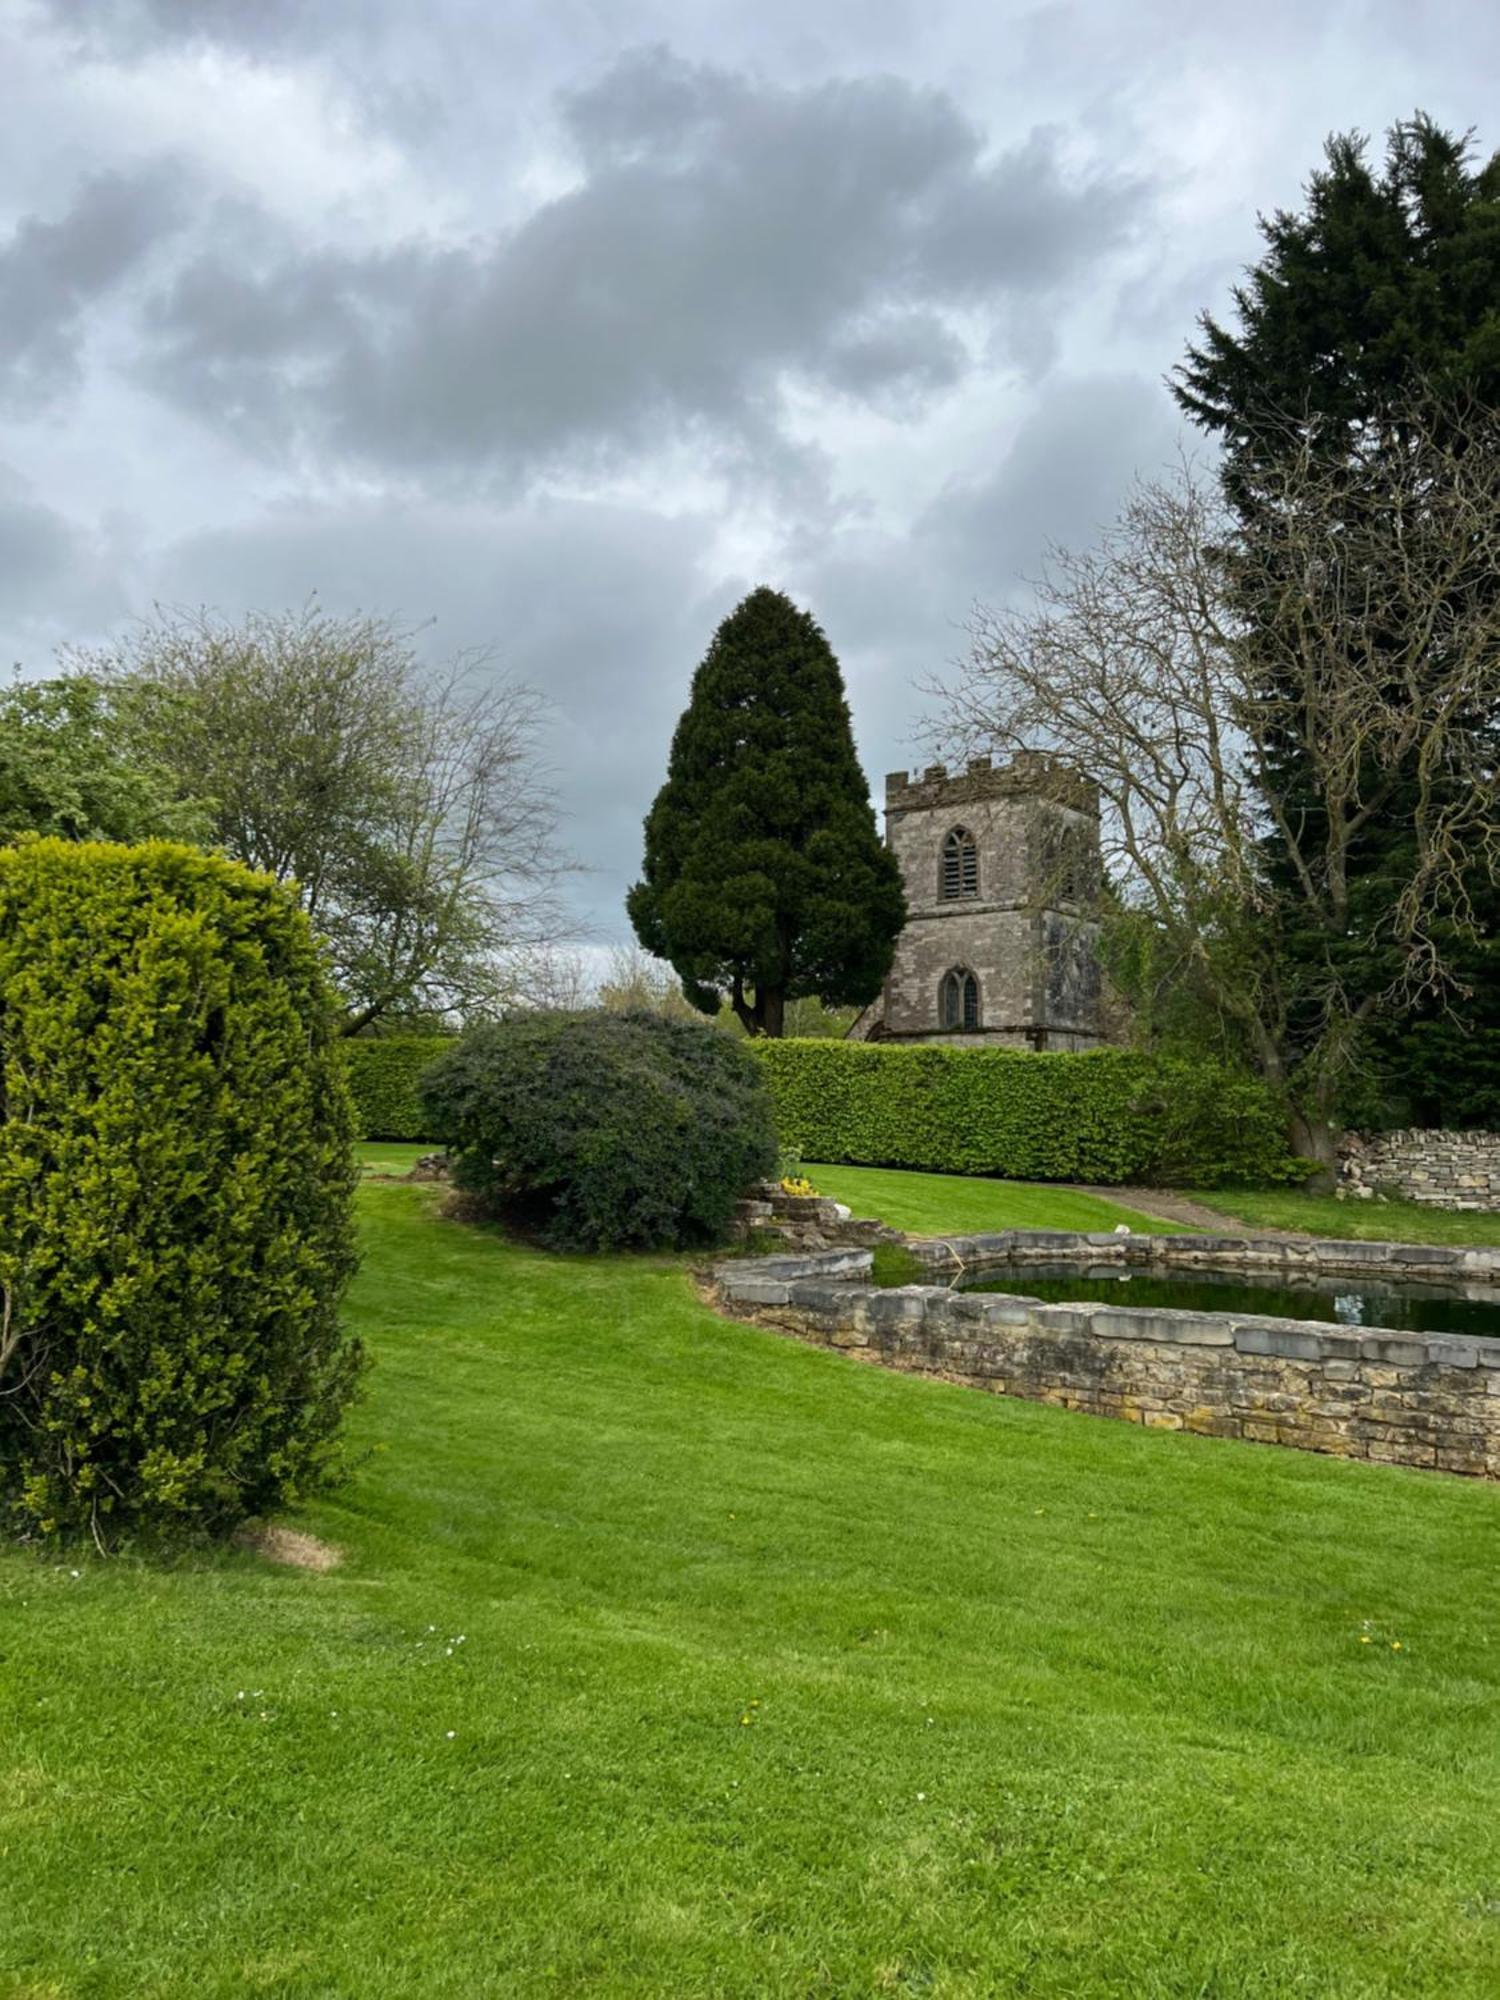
765	879
1388	280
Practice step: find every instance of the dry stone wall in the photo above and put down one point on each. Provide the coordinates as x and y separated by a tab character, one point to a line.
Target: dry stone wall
1459	1170
1430	1400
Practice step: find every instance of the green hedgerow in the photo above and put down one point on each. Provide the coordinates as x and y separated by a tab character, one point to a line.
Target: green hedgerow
1109	1115
384	1071
176	1185
604	1131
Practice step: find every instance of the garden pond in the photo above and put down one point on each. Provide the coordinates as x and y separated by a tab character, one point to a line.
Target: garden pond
1408	1305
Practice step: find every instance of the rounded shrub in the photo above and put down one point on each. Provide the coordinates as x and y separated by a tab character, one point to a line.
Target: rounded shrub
176	1186
604	1131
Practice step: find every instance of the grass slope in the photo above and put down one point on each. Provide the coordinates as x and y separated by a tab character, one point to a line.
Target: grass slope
671	1657
1321	1215
935	1203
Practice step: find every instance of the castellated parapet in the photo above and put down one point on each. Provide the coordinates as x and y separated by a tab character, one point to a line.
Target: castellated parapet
1001	866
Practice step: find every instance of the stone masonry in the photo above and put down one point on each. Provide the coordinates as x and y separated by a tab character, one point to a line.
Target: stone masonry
1429	1400
1021	926
1458	1170
805	1222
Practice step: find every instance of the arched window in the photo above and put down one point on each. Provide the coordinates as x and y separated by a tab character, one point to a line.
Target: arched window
960	865
958	999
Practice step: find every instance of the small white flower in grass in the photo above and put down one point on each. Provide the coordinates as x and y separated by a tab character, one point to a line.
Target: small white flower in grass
1122	1229
921	1795
75	1572
451	1734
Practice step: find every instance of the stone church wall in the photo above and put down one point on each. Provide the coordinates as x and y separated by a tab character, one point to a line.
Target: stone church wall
1027	936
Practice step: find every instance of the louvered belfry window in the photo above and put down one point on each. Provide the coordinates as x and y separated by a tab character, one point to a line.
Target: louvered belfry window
959	999
960	865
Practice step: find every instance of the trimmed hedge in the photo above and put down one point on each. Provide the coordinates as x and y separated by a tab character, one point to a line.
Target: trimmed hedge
383	1077
1110	1115
176	1193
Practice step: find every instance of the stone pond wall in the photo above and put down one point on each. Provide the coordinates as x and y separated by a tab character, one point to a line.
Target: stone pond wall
1428	1400
1445	1169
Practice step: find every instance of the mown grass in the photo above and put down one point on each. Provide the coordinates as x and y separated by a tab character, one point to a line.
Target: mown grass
672	1657
932	1204
1322	1215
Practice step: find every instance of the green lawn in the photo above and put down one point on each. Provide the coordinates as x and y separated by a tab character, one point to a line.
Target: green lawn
391	1156
1321	1215
934	1204
672	1657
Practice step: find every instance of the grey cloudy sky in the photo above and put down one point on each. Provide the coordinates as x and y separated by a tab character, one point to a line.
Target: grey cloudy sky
562	325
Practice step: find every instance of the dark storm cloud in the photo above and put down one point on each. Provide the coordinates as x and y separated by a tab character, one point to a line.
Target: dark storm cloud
896	603
36	549
128	27
605	610
56	580
728	237
507	315
1061	480
57	270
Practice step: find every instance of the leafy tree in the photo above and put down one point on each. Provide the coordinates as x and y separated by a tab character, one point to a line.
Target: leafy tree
1386	285
409	808
765	879
67	771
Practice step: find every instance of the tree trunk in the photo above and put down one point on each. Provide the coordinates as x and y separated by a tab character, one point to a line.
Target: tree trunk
1315	1138
765	1014
745	1011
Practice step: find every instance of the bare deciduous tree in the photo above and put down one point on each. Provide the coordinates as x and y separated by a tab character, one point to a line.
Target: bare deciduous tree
1368	588
409	806
635	982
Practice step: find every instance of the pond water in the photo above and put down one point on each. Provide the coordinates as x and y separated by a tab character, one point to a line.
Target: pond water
1410	1306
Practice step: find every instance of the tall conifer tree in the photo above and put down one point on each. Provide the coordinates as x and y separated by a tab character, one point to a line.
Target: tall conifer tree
765	879
1388	281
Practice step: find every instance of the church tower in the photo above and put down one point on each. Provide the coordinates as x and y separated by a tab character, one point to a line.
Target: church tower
1002	873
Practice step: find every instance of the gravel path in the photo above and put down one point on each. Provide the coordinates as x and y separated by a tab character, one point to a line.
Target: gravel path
1180	1208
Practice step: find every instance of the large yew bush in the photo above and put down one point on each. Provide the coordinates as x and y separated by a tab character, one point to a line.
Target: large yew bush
604	1131
175	1193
